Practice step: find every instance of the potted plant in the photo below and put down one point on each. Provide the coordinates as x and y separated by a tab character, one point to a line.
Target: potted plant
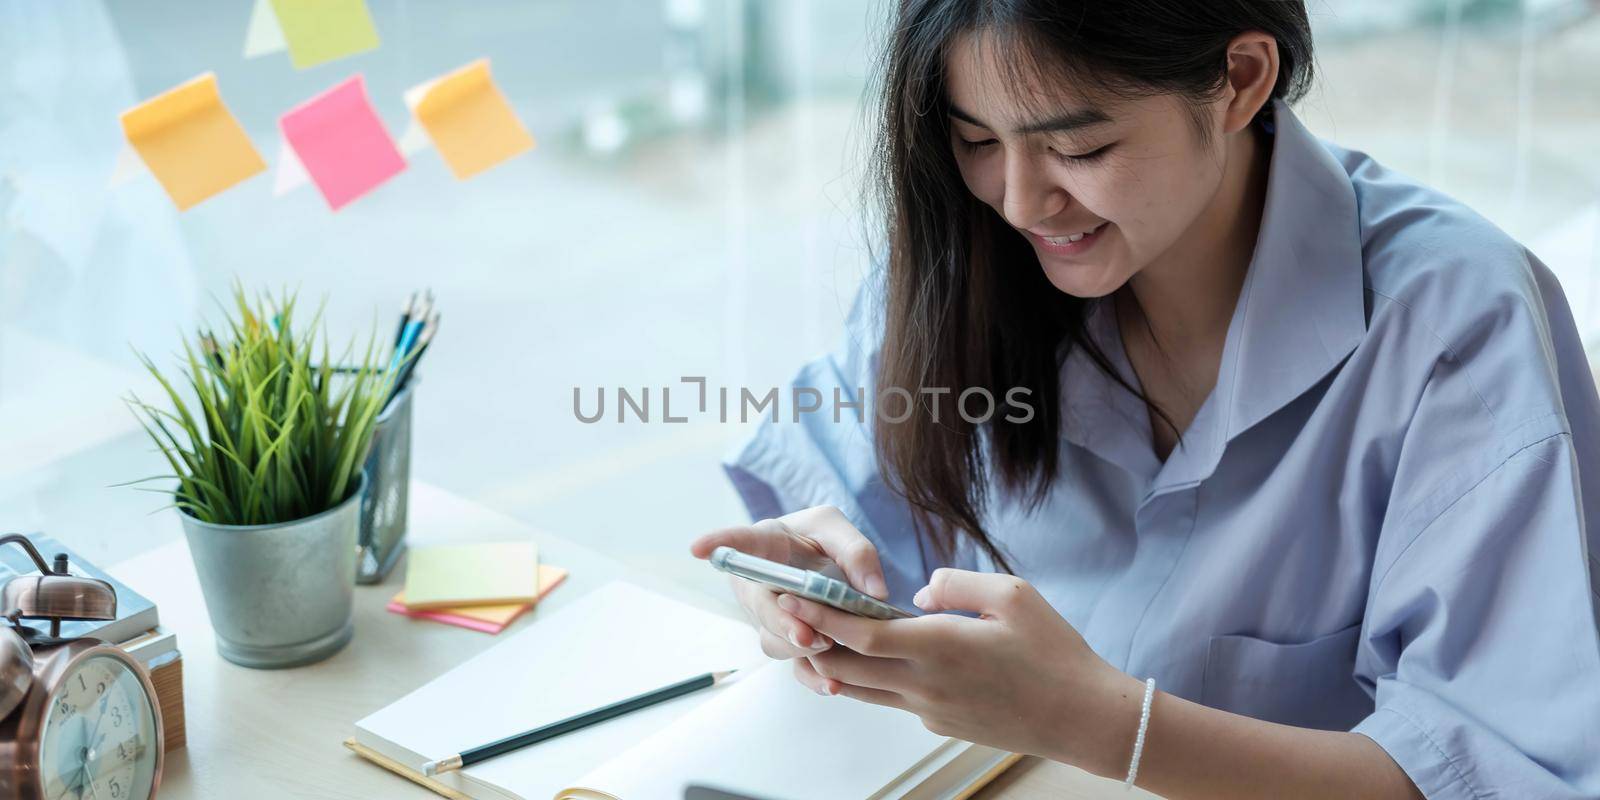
267	445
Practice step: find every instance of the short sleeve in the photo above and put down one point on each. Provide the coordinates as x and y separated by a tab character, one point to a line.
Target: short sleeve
1480	642
826	457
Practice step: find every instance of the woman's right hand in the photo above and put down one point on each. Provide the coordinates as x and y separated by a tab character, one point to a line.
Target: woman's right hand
814	539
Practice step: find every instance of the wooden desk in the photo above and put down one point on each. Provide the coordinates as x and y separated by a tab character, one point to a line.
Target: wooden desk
278	733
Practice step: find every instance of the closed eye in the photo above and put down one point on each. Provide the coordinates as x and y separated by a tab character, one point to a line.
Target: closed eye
978	145
1082	158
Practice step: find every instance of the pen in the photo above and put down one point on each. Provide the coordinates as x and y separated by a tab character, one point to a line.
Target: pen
405	317
416	316
469	757
424	307
407	338
423	339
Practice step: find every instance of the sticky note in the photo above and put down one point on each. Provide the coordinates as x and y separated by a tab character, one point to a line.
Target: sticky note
264	35
488	619
191	141
341	143
319	31
495	573
471	124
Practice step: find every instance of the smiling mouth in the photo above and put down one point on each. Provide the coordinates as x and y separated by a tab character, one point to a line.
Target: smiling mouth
1072	238
1071	244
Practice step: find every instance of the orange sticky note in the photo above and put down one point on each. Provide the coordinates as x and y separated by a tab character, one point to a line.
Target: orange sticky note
471	124
191	141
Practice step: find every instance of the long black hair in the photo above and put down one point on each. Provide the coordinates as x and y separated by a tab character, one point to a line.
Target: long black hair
967	303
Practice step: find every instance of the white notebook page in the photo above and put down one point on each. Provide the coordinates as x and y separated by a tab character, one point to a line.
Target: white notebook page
770	737
616	642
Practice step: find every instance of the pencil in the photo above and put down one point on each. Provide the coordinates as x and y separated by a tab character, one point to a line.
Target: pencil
467	758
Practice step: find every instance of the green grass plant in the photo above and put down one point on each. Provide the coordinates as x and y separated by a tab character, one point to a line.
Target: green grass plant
257	431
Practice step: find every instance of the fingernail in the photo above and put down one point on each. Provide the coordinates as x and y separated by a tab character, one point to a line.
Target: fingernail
787	602
822	690
794	639
920	600
820	642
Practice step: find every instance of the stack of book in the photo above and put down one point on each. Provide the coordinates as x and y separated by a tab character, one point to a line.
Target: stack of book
157	650
137	629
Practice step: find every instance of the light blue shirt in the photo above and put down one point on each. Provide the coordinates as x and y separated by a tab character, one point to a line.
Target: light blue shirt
1375	522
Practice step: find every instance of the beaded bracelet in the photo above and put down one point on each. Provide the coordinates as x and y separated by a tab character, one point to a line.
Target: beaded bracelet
1144	725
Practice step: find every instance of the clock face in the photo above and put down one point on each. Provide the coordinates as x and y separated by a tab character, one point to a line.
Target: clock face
99	739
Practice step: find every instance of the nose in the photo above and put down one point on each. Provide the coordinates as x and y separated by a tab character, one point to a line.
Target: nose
1030	195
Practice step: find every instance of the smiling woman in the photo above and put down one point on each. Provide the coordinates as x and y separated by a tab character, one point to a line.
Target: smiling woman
1315	449
1100	144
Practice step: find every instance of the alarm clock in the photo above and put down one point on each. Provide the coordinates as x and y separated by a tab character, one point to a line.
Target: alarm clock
78	716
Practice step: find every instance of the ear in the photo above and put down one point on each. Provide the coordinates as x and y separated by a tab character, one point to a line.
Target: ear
1252	75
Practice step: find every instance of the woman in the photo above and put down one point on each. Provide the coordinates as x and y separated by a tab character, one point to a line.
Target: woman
1312	446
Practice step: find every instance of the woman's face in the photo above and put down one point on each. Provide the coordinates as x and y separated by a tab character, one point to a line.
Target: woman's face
1101	191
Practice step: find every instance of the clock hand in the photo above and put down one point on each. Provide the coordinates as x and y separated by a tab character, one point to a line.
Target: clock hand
89	778
101	756
91	744
97	724
83	747
75	786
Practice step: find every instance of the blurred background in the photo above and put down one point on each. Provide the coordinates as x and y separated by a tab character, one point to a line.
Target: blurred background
692	208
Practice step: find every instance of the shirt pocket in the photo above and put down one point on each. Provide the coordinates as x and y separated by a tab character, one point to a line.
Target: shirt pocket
1308	685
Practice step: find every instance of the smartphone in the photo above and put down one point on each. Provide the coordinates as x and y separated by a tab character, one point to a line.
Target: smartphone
804	583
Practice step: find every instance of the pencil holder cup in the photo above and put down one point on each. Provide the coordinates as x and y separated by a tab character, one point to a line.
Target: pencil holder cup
388	471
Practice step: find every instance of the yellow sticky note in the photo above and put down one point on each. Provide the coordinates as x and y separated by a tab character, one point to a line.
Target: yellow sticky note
191	141
473	574
319	31
469	120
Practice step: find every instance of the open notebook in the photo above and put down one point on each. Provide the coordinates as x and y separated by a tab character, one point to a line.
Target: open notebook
761	734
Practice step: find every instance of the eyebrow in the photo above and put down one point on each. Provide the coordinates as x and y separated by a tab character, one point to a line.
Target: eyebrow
1071	120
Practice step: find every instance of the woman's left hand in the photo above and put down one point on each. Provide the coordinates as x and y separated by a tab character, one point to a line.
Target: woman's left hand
1019	677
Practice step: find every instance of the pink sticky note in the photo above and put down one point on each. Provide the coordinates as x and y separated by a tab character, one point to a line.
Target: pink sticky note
341	142
488	619
453	619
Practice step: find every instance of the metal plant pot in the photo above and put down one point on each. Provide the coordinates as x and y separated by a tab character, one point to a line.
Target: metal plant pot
279	595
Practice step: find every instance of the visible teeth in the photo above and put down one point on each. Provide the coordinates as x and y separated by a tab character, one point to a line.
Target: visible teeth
1076	237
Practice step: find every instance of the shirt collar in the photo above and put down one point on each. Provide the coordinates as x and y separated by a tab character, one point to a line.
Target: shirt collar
1300	312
